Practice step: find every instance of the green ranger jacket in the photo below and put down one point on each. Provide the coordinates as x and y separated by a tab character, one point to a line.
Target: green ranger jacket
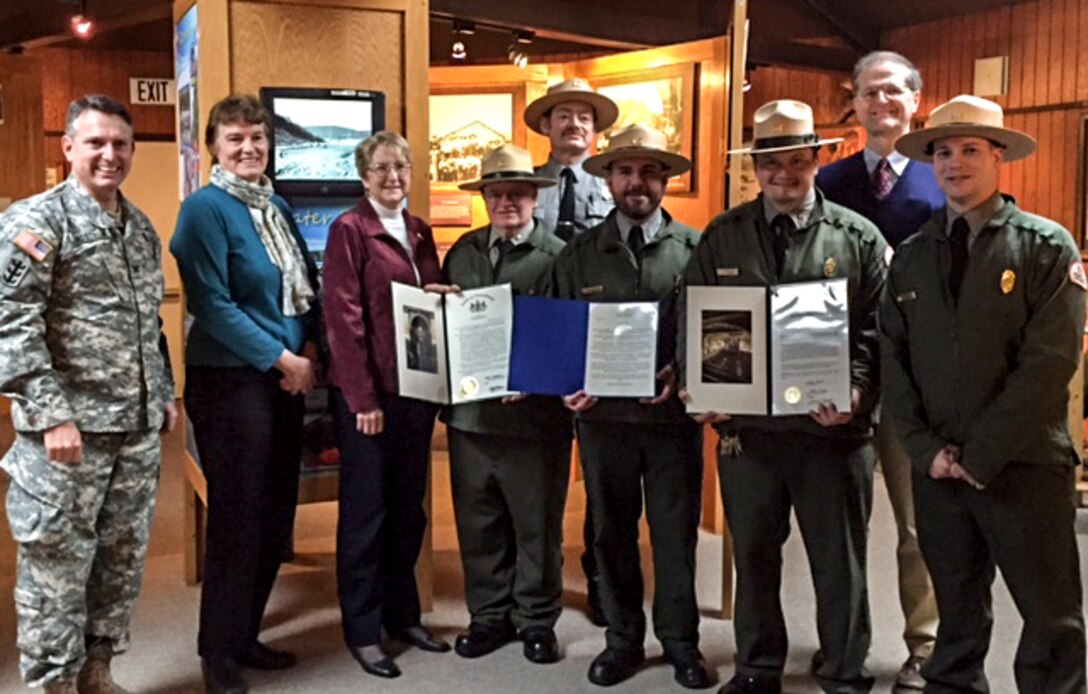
527	268
736	250
990	373
597	266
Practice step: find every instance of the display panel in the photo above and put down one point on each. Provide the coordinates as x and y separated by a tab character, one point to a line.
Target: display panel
315	132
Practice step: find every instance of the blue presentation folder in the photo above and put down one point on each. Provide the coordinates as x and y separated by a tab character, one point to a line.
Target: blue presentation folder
548	347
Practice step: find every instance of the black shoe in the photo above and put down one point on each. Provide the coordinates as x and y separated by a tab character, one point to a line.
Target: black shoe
752	684
481	639
594	611
540	645
222	676
691	669
615	665
421	639
260	657
383	667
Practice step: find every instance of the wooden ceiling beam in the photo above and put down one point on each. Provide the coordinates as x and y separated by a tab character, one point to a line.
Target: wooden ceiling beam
628	25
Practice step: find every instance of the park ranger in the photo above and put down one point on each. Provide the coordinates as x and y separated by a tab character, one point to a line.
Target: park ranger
85	365
639	254
570	115
982	325
509	458
820	465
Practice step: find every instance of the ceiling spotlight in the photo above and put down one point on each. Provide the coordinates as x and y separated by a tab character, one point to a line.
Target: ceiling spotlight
82	24
517	56
457	50
516	52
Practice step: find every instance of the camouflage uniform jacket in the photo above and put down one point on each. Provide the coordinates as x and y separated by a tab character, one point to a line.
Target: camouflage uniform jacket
79	315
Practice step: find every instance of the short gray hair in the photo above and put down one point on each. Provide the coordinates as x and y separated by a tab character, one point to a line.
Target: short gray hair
364	151
94	102
914	78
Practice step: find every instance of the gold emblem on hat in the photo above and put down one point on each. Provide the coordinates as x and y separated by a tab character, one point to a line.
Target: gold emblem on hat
469	386
637	142
779	129
829	267
792	395
1008	281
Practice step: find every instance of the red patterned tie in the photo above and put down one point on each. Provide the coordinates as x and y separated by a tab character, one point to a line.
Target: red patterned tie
882	179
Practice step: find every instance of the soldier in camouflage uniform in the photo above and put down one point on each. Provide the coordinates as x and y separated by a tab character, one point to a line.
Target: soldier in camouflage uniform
84	362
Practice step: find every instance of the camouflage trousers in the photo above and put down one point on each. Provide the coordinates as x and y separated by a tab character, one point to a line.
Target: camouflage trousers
82	532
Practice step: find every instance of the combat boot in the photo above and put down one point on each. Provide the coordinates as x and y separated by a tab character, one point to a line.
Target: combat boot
62	686
94	676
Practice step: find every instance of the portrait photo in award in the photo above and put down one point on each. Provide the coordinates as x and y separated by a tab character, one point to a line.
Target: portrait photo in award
727	346
420	347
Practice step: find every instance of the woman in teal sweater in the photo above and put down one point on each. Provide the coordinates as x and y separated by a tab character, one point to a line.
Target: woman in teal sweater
252	291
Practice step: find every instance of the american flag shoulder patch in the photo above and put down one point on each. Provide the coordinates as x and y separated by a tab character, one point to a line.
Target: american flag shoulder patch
32	245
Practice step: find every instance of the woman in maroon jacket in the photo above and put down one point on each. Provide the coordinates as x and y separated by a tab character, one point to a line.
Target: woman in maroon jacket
384	438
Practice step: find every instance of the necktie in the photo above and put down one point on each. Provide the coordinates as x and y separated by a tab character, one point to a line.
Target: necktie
882	179
958	250
503	246
635	240
782	225
564	229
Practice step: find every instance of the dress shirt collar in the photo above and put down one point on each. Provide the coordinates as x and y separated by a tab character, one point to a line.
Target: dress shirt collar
800	216
650	227
897	160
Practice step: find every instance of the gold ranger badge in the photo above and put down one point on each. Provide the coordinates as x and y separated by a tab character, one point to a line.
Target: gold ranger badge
829	267
1008	281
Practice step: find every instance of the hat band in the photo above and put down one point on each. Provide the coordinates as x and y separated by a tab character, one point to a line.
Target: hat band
785	141
497	175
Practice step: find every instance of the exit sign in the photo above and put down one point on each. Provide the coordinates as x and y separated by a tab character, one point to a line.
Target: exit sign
152	91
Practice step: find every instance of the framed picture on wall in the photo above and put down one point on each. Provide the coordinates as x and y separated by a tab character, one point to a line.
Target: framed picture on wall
465	125
662	98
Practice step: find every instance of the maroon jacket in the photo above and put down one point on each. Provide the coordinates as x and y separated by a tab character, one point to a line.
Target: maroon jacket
361	263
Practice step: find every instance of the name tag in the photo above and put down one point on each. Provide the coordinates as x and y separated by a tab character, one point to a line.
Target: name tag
590	291
906	296
728	272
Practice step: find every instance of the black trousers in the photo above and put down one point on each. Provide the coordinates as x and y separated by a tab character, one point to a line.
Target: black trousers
249	438
383	480
829	484
624	461
508	497
1022	523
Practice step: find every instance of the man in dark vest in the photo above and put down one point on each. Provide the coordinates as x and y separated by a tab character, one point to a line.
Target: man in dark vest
898	195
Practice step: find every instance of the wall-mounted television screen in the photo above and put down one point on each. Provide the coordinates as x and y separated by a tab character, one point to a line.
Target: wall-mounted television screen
314	134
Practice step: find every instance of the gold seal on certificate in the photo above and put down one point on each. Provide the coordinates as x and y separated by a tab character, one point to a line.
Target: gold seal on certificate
469	386
792	395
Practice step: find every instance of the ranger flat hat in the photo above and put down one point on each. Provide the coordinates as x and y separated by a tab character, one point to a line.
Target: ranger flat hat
637	141
783	125
576	89
508	163
966	116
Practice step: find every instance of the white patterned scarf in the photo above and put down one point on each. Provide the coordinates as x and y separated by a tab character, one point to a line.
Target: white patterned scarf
276	236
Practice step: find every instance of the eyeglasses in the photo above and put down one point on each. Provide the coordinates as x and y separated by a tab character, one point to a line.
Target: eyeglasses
890	91
384	169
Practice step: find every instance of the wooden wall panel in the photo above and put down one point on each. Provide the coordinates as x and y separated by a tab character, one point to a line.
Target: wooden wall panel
22	166
360	44
1047	95
820	89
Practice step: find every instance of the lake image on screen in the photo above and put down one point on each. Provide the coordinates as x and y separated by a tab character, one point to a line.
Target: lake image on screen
727	347
316	138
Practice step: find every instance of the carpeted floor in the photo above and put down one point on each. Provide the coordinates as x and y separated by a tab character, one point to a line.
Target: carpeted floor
303	615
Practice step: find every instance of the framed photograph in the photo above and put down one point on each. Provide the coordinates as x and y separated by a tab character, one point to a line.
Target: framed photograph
727	348
463	127
662	98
